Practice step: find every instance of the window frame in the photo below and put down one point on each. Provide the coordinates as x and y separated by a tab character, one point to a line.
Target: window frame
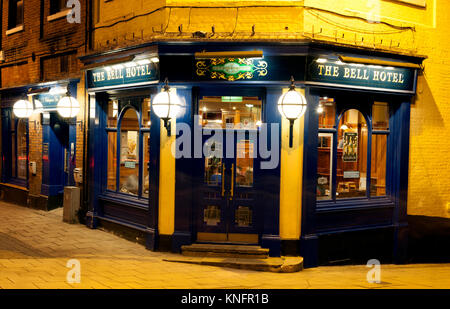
364	105
57	6
7	149
134	103
13	13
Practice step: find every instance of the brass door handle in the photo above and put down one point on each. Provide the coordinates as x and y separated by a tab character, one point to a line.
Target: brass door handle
232	182
223	180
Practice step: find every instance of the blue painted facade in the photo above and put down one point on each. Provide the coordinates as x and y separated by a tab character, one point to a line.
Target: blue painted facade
178	64
58	143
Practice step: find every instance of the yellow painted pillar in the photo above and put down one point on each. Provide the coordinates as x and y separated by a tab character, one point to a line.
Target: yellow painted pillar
291	179
166	220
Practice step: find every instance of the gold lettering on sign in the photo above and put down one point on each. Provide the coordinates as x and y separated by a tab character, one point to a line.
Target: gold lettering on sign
376	75
395	78
358	73
335	71
320	66
346	72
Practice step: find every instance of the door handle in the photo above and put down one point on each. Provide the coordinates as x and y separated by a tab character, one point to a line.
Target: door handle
232	182
223	180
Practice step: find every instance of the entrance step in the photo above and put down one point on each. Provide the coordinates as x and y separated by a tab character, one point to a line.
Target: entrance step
271	264
225	251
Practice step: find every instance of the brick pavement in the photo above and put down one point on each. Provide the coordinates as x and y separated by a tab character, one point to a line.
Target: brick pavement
35	247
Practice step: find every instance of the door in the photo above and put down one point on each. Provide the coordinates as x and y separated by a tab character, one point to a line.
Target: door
227	201
60	128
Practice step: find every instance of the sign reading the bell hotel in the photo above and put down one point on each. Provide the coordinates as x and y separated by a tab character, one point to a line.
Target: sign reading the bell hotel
362	76
122	74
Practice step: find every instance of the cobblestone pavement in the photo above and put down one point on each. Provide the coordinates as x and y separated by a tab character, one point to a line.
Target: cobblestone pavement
35	247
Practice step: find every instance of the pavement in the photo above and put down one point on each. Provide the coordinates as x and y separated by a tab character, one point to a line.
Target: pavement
39	251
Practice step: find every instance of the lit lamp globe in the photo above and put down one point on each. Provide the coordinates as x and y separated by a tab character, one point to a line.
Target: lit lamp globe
23	109
166	105
68	107
292	105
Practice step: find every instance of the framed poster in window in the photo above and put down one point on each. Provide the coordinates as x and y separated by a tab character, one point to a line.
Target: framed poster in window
350	149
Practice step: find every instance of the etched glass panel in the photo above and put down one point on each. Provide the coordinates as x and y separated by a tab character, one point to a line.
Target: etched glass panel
211	215
244	163
213	165
146	165
351	155
146	113
22	149
327	112
112	161
113	111
380	116
129	153
243	216
231	112
324	164
378	165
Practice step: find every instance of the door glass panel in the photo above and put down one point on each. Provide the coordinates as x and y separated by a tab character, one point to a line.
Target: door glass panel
243	216
146	165
21	149
13	153
146	113
324	164
351	155
327	112
378	165
230	112
113	111
213	165
129	153
112	152
244	163
380	116
211	215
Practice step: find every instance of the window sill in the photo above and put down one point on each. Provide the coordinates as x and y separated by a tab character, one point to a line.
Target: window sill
58	15
13	186
355	203
14	30
124	199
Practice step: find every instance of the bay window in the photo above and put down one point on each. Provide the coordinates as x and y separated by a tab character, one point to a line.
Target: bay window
352	150
128	140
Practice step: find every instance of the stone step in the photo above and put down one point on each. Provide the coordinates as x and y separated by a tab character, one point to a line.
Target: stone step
225	251
271	264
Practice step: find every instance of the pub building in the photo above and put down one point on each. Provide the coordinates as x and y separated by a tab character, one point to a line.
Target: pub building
39	141
298	182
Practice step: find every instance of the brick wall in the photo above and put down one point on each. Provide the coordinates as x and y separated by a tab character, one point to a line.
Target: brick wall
45	50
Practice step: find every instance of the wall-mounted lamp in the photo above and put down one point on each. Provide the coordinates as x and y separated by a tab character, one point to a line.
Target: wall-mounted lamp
292	105
166	105
23	109
68	106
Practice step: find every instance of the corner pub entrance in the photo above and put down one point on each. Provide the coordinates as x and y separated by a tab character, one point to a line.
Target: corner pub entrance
345	173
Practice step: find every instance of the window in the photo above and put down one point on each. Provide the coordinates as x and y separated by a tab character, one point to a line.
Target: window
57	6
15	151
352	152
230	112
128	164
15	13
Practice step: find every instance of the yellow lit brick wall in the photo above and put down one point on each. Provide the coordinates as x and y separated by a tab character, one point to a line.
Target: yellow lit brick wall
376	24
429	162
429	181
